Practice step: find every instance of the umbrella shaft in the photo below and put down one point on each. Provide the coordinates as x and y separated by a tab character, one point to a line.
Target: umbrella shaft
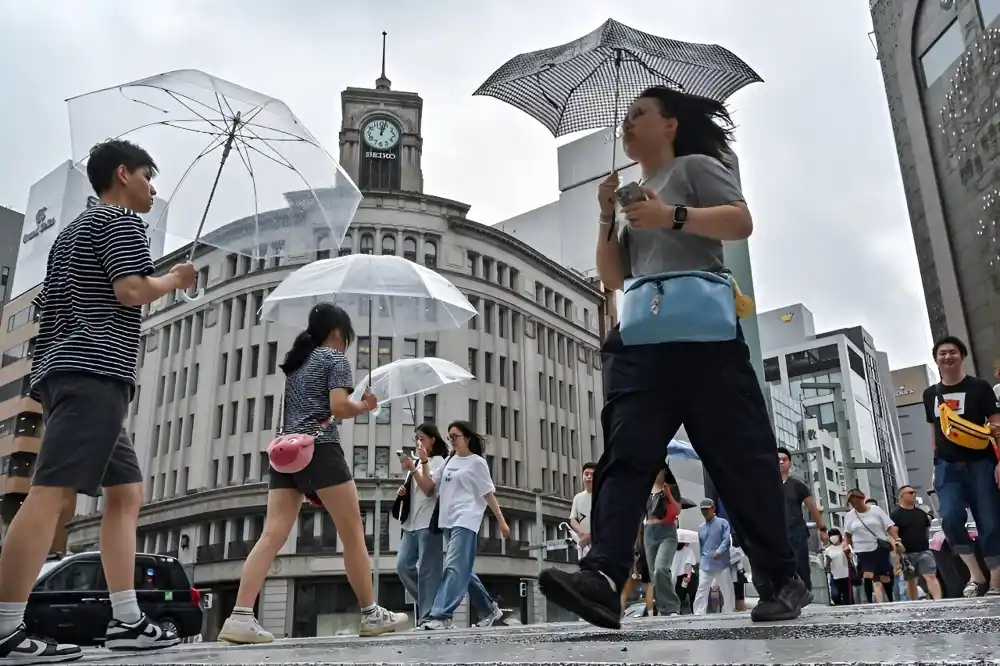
218	174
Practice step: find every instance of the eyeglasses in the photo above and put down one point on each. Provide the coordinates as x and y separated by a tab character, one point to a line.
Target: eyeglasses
452	437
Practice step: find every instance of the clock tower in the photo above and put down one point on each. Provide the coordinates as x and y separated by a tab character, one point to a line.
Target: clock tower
380	142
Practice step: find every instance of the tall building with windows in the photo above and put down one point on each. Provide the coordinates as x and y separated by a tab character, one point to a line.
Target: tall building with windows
939	62
10	242
918	446
797	357
209	384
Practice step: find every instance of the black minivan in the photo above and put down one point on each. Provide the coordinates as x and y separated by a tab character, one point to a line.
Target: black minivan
70	601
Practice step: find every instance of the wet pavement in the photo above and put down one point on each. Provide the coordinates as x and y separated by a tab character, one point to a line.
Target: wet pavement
948	632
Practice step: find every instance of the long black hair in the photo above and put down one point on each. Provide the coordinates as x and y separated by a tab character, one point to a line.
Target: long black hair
704	126
439	447
476	442
324	318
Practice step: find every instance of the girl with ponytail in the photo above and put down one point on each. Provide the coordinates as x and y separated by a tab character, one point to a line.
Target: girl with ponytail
318	384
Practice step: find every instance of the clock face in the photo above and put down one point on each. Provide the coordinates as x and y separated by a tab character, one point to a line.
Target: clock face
381	134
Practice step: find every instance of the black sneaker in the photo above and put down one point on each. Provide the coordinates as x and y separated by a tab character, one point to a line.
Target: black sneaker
142	635
786	604
19	648
587	594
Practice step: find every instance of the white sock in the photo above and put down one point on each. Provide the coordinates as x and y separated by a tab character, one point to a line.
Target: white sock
11	617
242	613
368	610
124	607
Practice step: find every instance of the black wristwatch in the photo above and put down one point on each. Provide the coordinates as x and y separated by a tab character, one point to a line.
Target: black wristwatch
680	217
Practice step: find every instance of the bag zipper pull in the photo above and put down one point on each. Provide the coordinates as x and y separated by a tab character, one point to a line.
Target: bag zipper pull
654	307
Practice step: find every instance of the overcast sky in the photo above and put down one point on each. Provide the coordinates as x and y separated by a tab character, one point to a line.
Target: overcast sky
815	143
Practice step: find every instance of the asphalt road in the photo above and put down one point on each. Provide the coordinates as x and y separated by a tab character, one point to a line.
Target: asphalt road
948	632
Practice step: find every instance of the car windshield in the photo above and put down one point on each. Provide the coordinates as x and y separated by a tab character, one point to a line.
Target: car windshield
47	567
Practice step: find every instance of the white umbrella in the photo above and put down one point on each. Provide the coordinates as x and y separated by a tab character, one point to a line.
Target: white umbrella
410	376
687	536
395	295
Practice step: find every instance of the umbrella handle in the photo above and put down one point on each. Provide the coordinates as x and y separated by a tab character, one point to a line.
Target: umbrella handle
193	299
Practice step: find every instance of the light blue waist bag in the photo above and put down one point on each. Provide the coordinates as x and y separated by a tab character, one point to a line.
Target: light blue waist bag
680	306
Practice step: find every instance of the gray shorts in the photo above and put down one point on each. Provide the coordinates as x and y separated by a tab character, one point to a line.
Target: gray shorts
923	563
85	446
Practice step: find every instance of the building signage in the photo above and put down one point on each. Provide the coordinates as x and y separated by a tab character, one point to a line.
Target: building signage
902	390
787	317
42	223
378	155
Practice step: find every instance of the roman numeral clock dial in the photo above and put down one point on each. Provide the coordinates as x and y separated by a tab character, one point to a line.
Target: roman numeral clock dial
381	134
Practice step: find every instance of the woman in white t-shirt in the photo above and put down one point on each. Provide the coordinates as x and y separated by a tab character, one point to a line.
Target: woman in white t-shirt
421	555
465	488
872	536
838	563
686	580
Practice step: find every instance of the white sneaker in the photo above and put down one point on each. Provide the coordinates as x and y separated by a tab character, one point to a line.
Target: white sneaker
491	618
438	625
244	630
971	590
382	621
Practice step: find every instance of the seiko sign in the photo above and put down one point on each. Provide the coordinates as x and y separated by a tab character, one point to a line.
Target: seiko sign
42	222
374	154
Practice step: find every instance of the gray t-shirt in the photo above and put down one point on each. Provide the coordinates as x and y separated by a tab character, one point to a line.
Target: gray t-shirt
698	181
307	394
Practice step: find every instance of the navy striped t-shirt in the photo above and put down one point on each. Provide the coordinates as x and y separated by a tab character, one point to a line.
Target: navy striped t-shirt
83	327
307	394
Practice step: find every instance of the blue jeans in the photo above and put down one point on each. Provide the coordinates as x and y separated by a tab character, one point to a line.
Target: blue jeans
969	484
419	563
458	579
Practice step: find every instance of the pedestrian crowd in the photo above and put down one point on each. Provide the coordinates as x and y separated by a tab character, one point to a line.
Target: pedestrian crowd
677	358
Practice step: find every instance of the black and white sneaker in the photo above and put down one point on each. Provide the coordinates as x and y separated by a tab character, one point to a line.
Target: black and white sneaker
142	635
19	648
587	594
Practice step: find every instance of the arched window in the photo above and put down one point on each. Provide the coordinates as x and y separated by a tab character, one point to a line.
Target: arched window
410	248
388	245
430	254
367	244
346	246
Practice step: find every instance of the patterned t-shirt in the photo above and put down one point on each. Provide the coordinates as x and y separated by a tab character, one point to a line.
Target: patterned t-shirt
307	394
83	327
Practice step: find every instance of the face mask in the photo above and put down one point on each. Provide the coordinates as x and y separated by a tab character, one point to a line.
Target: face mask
835	540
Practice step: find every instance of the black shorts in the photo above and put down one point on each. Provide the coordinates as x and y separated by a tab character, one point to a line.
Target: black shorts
85	446
328	467
876	562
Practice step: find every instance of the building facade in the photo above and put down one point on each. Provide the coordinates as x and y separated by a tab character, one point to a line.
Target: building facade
209	384
918	446
857	412
939	64
11	223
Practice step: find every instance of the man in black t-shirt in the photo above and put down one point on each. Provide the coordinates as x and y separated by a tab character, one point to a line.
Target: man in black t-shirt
913	524
797	494
965	477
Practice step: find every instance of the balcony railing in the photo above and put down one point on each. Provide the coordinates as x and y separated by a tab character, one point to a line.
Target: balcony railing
518	549
171	553
215	552
238	550
313	544
490	546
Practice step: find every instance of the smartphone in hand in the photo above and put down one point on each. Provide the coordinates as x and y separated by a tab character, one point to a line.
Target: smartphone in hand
627	195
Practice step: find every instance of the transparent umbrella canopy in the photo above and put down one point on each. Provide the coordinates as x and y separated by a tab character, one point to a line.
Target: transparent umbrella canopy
238	169
395	296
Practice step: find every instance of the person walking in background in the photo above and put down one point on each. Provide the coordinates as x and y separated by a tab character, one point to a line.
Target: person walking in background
871	536
838	564
691	203
421	553
465	488
715	537
684	567
579	514
914	525
316	397
738	561
966	473
798	494
659	542
99	274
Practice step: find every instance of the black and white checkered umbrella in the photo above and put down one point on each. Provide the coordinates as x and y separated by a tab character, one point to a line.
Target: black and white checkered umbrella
588	83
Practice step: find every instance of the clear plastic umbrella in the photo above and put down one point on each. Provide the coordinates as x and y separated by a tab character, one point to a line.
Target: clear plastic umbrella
409	377
239	170
395	295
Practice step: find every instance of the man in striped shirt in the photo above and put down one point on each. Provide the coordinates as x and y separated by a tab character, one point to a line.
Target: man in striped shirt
98	276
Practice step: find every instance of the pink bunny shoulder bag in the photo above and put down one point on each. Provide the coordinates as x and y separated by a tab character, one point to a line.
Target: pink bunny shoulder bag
290	453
